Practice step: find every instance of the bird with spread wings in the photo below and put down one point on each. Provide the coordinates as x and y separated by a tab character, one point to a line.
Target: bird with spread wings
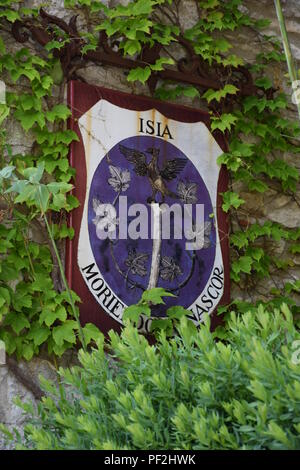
157	176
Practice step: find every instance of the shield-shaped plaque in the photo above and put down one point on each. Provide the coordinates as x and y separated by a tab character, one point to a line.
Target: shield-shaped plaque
150	214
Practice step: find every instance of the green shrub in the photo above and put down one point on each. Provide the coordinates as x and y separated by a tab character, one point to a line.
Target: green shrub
190	392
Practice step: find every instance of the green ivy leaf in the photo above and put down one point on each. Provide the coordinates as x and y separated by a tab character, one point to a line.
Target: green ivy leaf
28	102
57	75
264	83
58	112
177	312
133	312
232	61
27	351
42	282
295	249
142	7
10	15
262	23
7	172
224	122
228	89
132	47
38	333
4	296
2	46
29	118
160	63
257	185
18	322
65	296
43	198
91	333
162	325
253	102
155	295
50	315
231	199
191	92
4	112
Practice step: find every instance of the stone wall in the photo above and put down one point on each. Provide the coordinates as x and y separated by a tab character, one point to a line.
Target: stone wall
271	205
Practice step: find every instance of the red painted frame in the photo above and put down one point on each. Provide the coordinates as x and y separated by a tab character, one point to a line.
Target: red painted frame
81	97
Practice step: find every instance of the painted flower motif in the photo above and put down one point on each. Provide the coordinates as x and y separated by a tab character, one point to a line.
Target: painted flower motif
169	269
105	220
120	179
199	232
187	192
136	262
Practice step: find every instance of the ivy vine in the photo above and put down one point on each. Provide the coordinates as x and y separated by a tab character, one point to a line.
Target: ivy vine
35	309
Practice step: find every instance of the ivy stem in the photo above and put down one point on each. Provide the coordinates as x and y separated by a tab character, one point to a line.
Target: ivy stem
25	239
287	48
62	272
